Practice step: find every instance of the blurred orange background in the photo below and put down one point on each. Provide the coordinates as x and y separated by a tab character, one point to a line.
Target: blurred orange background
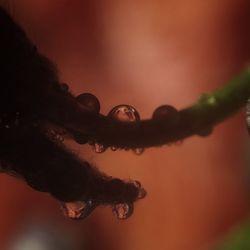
146	53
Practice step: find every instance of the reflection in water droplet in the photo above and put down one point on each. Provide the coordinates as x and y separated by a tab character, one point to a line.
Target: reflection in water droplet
123	210
124	113
77	210
89	101
138	151
99	148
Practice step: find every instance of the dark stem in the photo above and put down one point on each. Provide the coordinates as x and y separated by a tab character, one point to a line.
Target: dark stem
198	119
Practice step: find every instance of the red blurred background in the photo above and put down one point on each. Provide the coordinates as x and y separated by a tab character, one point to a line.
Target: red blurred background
146	53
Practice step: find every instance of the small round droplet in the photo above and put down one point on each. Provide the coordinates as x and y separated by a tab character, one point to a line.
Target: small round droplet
123	211
89	101
141	191
113	148
138	151
124	113
99	148
165	111
77	210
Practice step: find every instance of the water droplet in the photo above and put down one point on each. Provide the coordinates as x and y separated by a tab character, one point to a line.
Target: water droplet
113	148
141	191
123	210
138	151
165	111
99	148
89	101
124	113
77	210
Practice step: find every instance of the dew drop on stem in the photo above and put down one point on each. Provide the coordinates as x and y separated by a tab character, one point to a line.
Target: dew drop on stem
123	211
99	148
124	113
164	112
138	151
77	210
90	101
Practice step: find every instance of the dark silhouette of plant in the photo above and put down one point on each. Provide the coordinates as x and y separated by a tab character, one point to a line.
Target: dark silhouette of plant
37	110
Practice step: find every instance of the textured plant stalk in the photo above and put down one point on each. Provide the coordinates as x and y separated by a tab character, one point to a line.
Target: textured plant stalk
198	119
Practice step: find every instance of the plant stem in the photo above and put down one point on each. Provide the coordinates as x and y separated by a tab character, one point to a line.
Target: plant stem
210	109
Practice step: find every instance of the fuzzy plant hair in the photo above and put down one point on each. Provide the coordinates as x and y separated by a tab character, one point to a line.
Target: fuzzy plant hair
32	101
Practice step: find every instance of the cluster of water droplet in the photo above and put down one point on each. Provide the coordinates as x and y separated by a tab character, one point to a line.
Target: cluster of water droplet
79	210
122	113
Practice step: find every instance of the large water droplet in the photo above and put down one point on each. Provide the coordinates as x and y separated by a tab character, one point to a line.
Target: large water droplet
123	210
89	101
165	111
124	113
99	148
138	151
77	210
